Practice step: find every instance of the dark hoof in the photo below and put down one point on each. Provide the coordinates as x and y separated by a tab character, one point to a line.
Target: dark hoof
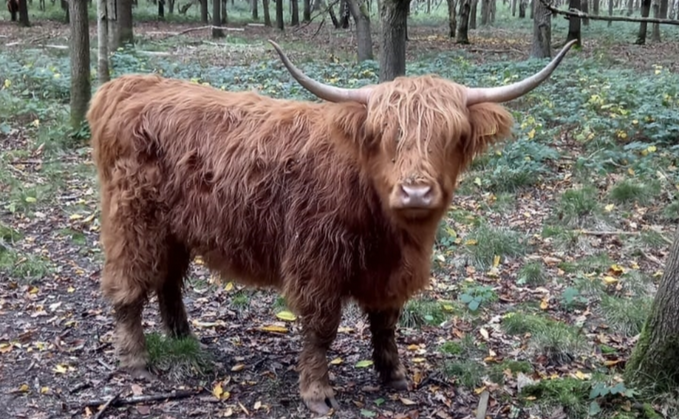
400	384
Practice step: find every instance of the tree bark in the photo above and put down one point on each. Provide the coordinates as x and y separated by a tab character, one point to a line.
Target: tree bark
394	20
542	31
217	19
452	18
463	28
294	12
255	11
203	11
659	12
267	15
610	11
23	13
643	26
120	23
79	51
364	38
472	14
574	24
306	13
279	15
654	359
485	12
522	8
102	42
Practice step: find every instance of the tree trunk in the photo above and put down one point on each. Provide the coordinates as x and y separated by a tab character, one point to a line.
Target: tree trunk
574	24
514	8
294	19
217	19
653	362
659	11
255	11
630	7
161	9
203	11
610	11
364	38
542	31
64	7
279	15
306	13
394	20
120	23
472	14
267	15
522	8
225	14
79	51
595	7
645	9
584	6
463	29
23	13
485	12
452	18
102	42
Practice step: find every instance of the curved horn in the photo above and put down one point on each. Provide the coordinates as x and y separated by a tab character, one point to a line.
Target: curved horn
518	89
323	91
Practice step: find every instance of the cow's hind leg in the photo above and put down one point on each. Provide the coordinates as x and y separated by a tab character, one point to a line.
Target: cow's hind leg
319	328
385	352
172	309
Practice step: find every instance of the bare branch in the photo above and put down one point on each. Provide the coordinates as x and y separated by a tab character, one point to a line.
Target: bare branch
578	13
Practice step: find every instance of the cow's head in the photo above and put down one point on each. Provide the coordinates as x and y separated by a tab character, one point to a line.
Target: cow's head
423	131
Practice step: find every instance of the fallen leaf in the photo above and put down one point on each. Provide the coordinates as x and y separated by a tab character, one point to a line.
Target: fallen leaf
237	367
274	329
336	361
406	402
286	315
364	363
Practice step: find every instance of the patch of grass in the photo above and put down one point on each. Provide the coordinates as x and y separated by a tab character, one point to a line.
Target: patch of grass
465	365
497	372
574	205
9	234
556	340
561	237
629	191
178	357
625	315
570	393
24	268
241	299
652	239
419	312
485	242
451	348
532	273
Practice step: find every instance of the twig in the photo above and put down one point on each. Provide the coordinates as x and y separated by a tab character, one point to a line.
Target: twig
79	387
578	13
173	395
105	406
104	364
483	405
617	232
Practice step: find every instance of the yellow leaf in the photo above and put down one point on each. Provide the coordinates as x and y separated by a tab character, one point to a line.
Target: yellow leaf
30	199
229	286
489	359
484	333
418	360
219	392
257	405
336	361
237	367
413	347
44	390
286	315
5	347
581	376
630	171
75	217
406	402
609	207
610	363
651	149
480	390
496	261
471	242
477	181
610	280
60	369
274	329
531	133
364	363
617	269
544	304
24	388
70	290
448	307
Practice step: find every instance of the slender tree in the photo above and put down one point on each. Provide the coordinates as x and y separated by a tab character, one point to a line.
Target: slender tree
23	13
217	19
542	31
279	15
120	23
102	42
79	51
452	18
574	24
463	28
653	363
394	21
643	26
361	16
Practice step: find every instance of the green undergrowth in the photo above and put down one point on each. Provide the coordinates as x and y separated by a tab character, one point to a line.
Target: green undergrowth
178	357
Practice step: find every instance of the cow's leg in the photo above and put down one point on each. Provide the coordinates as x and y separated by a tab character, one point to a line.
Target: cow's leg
172	309
319	328
385	352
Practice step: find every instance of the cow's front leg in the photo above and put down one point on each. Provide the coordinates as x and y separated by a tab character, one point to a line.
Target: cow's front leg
319	328
385	353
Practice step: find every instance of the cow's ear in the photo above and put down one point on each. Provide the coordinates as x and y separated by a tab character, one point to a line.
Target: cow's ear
490	123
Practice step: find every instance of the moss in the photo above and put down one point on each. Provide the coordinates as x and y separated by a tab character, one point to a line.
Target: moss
652	365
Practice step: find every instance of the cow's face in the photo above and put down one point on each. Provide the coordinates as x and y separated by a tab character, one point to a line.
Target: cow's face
423	135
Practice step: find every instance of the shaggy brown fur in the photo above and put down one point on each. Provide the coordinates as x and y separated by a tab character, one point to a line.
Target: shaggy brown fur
13	7
298	196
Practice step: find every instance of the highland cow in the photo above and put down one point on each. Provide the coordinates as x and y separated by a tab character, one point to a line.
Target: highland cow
325	202
13	7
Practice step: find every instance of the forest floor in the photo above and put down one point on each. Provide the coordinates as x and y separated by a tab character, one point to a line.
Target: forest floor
545	267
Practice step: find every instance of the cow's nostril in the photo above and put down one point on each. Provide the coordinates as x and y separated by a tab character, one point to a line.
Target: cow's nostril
416	196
